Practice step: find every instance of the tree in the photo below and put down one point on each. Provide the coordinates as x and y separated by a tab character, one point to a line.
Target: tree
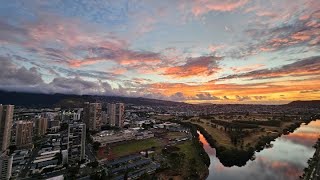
64	126
96	146
93	164
73	171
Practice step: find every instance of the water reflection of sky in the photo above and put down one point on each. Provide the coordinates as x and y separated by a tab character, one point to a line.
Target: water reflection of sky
284	161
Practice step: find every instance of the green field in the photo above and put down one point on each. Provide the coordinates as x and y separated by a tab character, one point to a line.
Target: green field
134	147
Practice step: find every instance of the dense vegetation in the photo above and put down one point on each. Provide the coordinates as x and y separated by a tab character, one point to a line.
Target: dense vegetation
312	162
198	145
234	124
262	123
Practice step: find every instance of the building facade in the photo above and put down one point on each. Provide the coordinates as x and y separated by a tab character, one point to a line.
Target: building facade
92	116
77	140
5	166
111	113
115	114
119	115
24	133
41	126
6	115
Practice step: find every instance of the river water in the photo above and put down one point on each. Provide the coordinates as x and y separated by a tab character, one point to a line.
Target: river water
284	161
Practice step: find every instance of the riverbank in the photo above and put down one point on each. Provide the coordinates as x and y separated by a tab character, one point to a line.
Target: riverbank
312	172
239	155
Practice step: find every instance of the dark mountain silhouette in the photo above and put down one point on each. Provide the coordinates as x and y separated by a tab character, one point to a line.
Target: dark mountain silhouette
313	103
66	100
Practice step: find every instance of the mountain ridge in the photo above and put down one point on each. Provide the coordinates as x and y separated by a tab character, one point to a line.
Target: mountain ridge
29	99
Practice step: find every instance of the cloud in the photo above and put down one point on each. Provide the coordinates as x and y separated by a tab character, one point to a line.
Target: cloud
200	7
11	74
205	96
78	86
259	97
267	37
305	67
178	96
213	48
88	73
242	98
118	55
199	66
75	44
11	33
310	91
247	68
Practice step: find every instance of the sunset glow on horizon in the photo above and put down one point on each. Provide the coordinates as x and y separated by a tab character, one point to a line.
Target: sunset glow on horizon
195	51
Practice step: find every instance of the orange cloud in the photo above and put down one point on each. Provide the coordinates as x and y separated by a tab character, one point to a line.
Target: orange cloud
200	66
235	92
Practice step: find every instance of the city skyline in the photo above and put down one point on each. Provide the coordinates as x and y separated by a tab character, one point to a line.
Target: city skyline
233	51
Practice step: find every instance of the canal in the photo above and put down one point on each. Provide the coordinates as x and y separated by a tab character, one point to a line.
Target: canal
284	160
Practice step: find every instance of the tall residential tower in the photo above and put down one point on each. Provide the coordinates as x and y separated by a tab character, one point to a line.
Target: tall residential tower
115	114
92	116
6	115
24	133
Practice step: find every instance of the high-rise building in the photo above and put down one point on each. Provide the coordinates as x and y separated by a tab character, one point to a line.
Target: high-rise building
6	115
76	142
41	126
119	114
115	114
104	118
5	166
92	116
111	112
24	133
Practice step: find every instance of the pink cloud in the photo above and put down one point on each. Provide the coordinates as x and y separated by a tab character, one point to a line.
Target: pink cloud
301	36
204	6
119	71
214	48
247	68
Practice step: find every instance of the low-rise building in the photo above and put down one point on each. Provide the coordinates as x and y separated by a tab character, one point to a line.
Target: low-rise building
109	137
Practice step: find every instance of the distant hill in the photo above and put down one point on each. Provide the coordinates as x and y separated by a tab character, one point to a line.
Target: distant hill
65	100
313	103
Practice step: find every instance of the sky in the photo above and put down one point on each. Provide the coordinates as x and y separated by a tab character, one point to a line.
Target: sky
195	51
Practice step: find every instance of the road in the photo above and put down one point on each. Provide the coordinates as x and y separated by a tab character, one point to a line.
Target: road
89	153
